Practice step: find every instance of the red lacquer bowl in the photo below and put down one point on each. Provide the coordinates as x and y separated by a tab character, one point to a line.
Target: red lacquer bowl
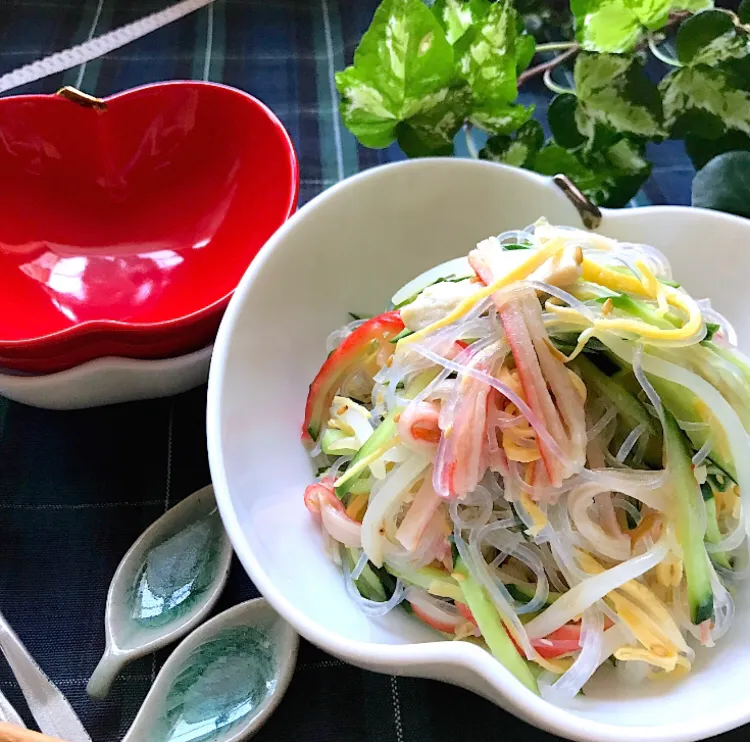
131	220
180	344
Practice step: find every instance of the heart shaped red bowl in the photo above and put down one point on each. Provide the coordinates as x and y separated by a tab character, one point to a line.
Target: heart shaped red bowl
132	219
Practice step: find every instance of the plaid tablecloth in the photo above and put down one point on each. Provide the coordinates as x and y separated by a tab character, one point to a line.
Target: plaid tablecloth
77	488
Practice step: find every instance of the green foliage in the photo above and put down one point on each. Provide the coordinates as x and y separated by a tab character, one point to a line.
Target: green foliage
487	57
525	51
422	73
617	25
518	150
724	184
709	38
613	91
702	150
403	69
458	16
707	100
561	116
609	176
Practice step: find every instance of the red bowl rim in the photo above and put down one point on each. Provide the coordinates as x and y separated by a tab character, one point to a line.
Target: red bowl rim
89	327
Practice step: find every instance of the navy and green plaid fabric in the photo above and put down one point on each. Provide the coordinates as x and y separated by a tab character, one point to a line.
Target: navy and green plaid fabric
77	488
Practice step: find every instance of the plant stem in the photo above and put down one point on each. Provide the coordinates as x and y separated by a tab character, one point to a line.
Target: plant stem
572	48
470	145
555	46
540	69
553	86
652	45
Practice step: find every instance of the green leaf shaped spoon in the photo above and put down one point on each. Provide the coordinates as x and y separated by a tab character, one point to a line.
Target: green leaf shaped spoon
165	585
223	681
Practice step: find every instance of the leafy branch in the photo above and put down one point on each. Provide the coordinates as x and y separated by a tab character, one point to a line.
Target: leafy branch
421	74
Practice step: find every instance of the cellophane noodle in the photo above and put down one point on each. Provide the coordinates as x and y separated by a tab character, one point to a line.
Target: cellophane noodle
528	460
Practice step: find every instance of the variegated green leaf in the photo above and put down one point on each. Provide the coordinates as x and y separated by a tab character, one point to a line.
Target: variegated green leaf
710	38
457	16
365	110
609	177
500	118
628	158
403	67
518	150
593	72
653	14
706	92
487	58
431	132
617	25
605	26
613	91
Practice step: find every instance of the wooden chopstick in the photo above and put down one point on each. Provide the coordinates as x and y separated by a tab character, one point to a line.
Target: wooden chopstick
13	733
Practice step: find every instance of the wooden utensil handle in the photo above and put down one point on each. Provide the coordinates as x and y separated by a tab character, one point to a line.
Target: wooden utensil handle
13	733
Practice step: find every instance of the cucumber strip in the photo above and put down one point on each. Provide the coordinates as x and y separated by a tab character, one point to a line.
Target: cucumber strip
683	405
491	625
729	355
642	310
367	583
523	593
720	482
388	581
689	534
372	449
713	534
457	269
646	312
379	442
330	437
432	580
362	486
628	406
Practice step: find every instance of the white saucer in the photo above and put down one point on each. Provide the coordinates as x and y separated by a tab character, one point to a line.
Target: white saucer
108	381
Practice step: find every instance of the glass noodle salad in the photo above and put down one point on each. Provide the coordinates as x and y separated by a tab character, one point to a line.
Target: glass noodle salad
541	448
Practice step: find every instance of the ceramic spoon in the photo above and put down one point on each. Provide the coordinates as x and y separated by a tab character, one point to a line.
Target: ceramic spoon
164	586
48	705
8	713
223	681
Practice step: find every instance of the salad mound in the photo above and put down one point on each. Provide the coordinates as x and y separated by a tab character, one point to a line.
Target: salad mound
541	447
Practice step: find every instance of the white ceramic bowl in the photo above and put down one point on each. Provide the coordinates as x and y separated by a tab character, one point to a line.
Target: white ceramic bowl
348	250
108	381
